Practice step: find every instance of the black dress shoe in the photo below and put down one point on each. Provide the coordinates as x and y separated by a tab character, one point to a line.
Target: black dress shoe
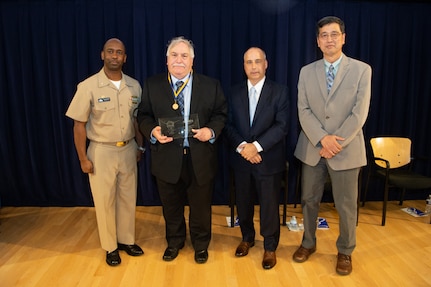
201	256
132	250
113	258
170	253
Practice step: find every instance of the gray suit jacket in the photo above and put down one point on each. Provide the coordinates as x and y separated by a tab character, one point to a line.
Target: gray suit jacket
342	112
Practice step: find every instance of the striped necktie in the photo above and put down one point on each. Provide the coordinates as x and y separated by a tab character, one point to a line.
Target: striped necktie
180	97
330	78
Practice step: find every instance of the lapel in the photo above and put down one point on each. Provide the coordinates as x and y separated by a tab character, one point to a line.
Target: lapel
341	73
243	101
263	98
264	94
194	100
321	78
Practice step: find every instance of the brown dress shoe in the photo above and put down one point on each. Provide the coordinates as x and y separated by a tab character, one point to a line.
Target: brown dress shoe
243	247
269	259
302	254
344	264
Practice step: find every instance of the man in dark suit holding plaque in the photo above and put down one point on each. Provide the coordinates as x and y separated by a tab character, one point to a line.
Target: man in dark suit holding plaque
182	114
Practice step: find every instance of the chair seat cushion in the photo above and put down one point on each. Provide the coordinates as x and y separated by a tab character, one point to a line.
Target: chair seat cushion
407	179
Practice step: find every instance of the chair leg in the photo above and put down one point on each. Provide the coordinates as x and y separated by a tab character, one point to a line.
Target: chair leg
357	210
298	186
286	189
232	200
403	192
385	202
232	216
366	187
359	195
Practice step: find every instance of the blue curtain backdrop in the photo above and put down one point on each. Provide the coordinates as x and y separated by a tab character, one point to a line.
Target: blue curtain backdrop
47	47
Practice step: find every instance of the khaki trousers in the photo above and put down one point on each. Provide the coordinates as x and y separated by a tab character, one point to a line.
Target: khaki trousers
113	186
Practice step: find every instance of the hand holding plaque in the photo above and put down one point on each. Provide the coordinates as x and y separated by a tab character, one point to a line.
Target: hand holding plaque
179	127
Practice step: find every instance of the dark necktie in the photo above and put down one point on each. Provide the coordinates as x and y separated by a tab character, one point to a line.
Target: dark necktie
330	78
180	97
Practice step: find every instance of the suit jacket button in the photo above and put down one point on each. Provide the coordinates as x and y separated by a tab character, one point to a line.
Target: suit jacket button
327	117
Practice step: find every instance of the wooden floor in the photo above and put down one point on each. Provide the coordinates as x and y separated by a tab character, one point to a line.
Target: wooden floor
60	247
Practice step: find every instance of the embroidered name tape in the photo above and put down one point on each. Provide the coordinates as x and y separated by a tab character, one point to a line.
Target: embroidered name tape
101	100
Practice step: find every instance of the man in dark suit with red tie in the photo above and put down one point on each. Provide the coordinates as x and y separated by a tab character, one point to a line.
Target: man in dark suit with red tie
256	129
184	162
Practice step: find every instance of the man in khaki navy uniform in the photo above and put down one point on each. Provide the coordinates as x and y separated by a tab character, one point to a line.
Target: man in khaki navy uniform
103	111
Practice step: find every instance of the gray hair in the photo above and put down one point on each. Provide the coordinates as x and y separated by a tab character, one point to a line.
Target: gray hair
178	40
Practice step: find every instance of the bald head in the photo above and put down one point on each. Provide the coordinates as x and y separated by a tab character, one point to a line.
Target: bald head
113	56
255	64
114	40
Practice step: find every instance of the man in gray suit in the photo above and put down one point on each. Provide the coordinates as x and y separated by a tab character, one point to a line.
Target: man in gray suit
333	102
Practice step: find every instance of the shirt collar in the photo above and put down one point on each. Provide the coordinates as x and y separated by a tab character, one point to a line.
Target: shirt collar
335	64
258	86
175	80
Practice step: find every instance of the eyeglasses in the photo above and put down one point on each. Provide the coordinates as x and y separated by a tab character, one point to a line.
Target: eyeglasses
332	36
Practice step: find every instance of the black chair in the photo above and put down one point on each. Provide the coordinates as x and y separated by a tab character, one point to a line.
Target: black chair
391	161
285	186
327	188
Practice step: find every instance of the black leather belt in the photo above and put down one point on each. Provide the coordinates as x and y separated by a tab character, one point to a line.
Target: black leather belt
186	151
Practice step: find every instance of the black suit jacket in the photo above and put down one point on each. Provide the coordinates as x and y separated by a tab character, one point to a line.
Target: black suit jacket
269	126
208	101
